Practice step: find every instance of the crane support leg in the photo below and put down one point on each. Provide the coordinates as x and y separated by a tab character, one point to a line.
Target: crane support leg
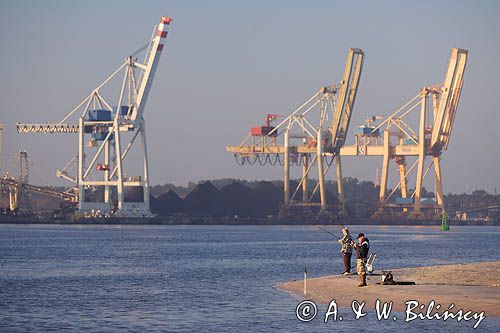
340	185
286	178
305	167
13	204
106	172
403	186
421	154
402	178
439	182
119	187
145	181
385	168
81	194
321	175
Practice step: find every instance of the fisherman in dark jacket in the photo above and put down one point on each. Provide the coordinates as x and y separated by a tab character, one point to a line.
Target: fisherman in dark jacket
362	252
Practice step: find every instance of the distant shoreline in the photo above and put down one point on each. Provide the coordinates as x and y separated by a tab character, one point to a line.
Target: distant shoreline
203	220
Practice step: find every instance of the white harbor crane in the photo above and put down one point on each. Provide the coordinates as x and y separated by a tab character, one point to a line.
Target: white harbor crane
320	125
395	138
107	134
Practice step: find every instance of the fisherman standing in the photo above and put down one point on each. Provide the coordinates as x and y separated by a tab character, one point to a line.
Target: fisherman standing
346	242
362	253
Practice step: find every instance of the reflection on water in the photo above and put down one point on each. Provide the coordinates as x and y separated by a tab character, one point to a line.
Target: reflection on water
201	278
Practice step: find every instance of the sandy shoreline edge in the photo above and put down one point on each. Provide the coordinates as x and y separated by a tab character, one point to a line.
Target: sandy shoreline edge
474	287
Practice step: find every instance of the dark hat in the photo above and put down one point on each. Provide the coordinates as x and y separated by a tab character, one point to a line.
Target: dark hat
360	235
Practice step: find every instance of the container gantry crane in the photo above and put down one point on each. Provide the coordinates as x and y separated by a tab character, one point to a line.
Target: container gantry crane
112	132
394	138
19	190
320	125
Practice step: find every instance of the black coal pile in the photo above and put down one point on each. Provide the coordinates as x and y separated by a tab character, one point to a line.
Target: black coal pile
232	200
268	198
204	199
168	203
238	200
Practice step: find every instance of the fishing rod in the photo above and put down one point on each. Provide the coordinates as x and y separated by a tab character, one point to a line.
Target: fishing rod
340	221
328	232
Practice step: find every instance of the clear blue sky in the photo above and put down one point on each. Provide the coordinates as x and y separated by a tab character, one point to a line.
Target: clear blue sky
228	63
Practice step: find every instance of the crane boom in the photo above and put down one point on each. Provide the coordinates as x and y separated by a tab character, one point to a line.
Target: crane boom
346	97
153	56
448	102
46	128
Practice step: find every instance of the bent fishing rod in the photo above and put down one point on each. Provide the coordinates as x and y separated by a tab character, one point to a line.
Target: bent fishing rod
328	232
340	221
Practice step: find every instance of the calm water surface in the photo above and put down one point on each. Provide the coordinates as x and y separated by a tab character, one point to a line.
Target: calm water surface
203	278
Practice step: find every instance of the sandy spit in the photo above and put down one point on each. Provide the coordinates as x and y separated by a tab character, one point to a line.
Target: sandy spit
474	287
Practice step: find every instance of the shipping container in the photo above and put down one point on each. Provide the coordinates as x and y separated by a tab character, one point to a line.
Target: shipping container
99	115
263	131
404	201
